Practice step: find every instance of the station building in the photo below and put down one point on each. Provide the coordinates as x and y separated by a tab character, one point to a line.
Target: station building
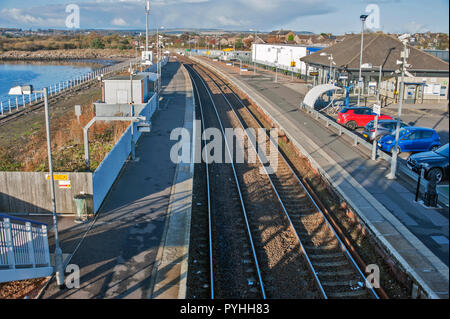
117	92
426	80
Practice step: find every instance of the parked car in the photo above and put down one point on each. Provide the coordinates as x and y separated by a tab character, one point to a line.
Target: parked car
384	127
354	117
434	163
411	139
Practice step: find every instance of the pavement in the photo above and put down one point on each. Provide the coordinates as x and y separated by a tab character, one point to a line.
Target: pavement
122	253
414	234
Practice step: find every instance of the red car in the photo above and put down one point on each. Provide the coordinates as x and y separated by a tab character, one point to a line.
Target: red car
353	117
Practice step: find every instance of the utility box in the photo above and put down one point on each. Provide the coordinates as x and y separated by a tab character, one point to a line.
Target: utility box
117	90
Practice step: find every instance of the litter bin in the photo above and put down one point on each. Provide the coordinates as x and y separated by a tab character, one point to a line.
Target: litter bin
81	205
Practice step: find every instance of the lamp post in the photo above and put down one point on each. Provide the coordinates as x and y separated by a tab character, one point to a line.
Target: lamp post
20	90
276	63
363	18
254	59
133	156
330	57
404	55
147	11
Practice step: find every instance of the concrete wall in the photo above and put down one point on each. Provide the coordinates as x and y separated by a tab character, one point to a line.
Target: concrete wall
29	192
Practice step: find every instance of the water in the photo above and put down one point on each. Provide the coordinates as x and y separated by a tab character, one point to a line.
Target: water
39	74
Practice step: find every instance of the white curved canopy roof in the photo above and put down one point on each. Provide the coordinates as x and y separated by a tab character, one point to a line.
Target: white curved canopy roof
313	94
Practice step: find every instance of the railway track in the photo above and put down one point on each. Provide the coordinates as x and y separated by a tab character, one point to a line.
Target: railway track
8	117
230	240
335	272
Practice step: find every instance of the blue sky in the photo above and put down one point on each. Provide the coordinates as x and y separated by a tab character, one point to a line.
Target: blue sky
317	16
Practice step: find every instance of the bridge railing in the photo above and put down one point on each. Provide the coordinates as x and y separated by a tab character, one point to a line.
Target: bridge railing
13	103
24	249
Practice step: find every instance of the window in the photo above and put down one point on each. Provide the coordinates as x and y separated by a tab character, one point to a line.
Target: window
426	134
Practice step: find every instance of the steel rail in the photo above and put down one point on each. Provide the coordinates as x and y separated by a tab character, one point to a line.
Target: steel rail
208	192
237	184
349	256
342	245
313	271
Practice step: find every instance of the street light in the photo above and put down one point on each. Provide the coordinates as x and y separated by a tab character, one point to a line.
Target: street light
374	143
133	156
28	89
363	18
254	59
147	11
278	50
330	57
404	54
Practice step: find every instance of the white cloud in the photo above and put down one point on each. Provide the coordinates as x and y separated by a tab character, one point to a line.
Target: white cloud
232	14
413	27
119	22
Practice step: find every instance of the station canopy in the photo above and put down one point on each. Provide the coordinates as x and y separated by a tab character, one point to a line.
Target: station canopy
313	95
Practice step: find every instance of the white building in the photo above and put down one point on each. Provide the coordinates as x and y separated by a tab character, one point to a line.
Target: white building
282	55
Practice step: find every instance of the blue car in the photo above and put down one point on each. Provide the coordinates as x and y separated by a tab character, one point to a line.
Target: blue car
411	139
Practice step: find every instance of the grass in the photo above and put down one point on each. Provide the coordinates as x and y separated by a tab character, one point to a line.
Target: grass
23	145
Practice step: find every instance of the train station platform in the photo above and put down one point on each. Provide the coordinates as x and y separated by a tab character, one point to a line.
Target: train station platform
137	245
415	236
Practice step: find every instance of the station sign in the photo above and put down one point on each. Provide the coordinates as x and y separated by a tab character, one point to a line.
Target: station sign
314	73
64	184
58	177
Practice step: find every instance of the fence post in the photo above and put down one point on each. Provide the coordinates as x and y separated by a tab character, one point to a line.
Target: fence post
9	103
17	103
2	106
23	100
29	97
31	256
45	243
9	244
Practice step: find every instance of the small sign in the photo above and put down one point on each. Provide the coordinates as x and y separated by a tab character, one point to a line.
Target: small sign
313	73
377	109
64	184
58	177
293	64
77	110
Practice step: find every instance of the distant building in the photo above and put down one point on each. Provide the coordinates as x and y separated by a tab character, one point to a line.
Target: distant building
427	77
283	55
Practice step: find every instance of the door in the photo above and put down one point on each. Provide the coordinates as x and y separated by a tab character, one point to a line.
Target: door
122	97
425	140
407	142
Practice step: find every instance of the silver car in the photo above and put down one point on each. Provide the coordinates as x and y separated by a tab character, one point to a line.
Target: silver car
384	127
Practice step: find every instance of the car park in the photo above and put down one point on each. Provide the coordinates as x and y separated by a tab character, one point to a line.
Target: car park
384	127
354	117
411	139
434	163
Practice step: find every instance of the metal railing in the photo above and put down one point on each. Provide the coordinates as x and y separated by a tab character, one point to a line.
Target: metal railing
24	250
357	140
10	104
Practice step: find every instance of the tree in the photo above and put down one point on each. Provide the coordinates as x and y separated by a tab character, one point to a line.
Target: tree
97	44
291	37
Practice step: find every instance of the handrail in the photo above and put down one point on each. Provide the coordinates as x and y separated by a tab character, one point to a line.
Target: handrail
33	222
8	104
